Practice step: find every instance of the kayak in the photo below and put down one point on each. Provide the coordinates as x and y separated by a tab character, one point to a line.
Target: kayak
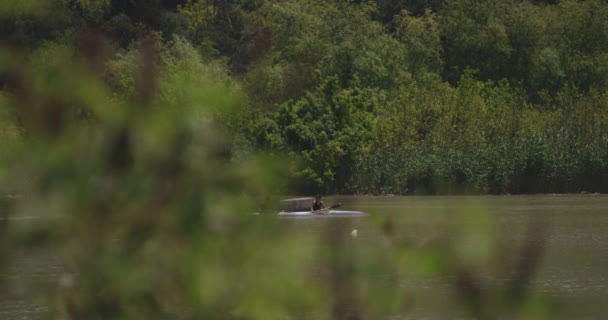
323	213
300	207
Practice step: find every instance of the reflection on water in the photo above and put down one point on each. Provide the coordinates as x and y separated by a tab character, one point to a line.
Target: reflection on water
573	269
28	269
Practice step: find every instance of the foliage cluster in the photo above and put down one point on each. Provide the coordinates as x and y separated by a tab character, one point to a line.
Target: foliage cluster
466	96
383	96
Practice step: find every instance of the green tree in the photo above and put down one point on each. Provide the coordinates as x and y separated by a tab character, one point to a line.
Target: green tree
422	42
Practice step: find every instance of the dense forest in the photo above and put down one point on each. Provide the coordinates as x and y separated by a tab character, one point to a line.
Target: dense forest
373	97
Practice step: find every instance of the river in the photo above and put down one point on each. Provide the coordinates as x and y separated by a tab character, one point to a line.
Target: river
568	232
488	234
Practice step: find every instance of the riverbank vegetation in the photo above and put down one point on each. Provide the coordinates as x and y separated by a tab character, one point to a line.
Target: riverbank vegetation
373	97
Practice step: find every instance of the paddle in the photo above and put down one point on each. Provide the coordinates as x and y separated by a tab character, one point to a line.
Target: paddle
320	211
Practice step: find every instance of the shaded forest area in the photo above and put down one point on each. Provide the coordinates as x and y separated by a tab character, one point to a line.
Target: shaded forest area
378	97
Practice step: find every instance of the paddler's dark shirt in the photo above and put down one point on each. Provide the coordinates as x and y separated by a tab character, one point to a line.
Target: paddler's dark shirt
317	206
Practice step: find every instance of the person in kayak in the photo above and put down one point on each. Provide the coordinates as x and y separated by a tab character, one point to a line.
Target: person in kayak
317	204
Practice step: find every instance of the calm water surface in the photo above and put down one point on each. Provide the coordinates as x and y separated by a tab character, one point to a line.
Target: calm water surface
573	267
572	229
